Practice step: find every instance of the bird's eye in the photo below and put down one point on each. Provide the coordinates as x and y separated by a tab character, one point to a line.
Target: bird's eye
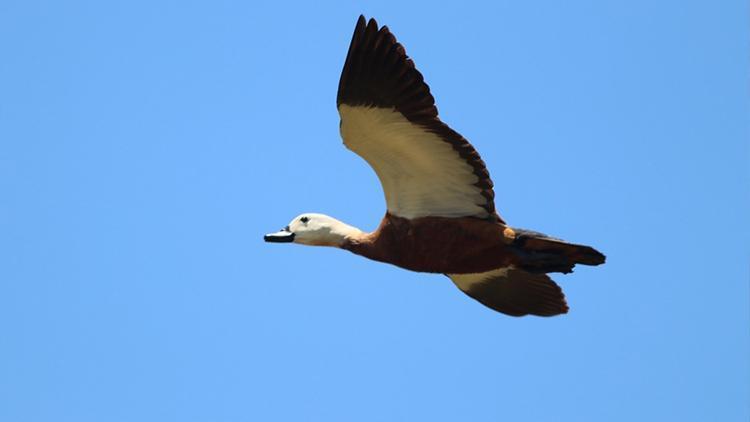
304	219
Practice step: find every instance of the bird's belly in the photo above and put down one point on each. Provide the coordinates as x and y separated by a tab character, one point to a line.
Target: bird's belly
458	256
449	246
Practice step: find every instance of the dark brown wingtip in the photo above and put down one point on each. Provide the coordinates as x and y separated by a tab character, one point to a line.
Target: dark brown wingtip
372	25
377	72
564	308
359	28
361	23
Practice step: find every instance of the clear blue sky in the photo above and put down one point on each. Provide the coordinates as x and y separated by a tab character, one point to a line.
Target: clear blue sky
146	147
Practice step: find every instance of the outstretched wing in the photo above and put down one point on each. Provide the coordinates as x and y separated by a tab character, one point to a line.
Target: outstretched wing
514	292
389	118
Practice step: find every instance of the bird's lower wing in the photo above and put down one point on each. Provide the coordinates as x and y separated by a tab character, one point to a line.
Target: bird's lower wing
514	292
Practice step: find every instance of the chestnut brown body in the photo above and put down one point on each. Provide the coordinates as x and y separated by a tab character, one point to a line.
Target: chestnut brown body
438	244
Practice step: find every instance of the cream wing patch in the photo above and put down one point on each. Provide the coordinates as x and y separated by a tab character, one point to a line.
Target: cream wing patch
421	174
465	282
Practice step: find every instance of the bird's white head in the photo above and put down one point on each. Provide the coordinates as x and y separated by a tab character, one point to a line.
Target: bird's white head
314	229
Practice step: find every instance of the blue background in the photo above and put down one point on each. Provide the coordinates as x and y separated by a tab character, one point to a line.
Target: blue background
146	147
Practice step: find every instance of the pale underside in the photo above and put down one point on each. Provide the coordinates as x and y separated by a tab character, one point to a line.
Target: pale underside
421	174
465	282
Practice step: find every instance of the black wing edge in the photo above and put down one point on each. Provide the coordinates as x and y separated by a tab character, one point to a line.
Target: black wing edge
378	73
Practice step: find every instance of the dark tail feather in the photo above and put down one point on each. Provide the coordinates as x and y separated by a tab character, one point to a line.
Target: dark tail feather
539	253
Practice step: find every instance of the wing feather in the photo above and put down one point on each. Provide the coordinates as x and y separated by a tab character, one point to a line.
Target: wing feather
514	292
389	118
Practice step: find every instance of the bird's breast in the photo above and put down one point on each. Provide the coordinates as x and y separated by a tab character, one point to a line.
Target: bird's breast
438	244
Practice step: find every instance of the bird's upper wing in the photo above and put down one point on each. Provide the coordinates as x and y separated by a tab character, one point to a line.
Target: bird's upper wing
514	292
389	118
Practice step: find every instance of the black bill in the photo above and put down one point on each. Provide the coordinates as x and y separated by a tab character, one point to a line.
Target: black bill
281	236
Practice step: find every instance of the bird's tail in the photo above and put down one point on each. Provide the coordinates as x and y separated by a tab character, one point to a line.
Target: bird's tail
539	253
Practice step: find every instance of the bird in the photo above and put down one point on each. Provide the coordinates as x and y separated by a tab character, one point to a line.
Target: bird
441	215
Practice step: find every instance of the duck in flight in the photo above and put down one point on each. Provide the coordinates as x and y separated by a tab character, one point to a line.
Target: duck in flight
440	214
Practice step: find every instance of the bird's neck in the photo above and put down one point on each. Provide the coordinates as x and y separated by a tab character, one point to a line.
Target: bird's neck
345	233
